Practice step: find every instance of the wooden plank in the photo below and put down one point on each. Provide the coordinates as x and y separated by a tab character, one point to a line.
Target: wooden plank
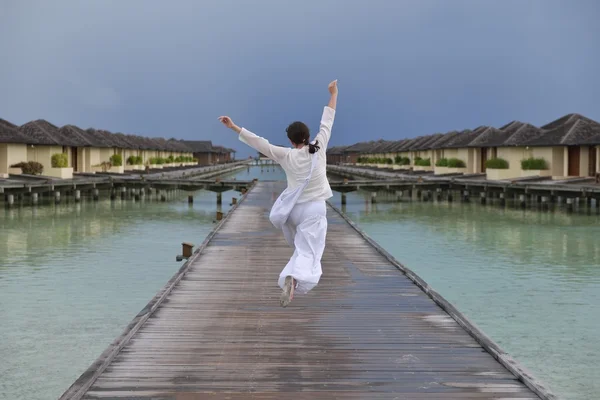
372	329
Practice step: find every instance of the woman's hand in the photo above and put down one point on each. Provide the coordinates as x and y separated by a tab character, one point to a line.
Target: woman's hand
333	89
228	122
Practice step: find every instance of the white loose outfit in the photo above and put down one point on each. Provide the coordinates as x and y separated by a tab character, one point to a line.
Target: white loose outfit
306	226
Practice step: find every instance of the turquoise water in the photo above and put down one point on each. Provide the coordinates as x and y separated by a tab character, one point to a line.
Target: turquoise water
530	280
72	276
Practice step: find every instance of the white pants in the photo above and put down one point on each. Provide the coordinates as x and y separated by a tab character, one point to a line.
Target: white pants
305	230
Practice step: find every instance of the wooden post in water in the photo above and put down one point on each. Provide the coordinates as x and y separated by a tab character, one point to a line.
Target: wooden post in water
34	198
545	205
399	194
123	192
163	196
219	215
113	194
373	197
191	199
569	204
96	194
77	195
219	198
187	249
502	199
482	197
523	201
234	200
343	198
56	197
10	200
465	196
439	194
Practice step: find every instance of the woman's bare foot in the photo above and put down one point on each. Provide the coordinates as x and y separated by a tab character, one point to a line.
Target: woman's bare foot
288	291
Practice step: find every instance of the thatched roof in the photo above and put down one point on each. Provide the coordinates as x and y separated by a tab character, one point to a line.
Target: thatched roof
100	138
41	132
524	135
380	146
222	150
493	137
337	150
9	133
444	139
406	145
75	136
464	138
199	146
178	145
396	145
570	130
361	147
428	143
419	141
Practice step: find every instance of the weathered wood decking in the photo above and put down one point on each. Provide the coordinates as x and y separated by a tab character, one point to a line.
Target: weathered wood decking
216	330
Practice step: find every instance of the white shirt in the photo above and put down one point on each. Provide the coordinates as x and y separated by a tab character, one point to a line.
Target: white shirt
296	162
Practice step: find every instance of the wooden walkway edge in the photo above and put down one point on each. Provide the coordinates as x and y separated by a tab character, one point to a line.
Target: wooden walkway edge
216	331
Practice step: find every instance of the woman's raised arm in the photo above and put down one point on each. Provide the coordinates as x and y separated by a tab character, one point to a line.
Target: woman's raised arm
258	143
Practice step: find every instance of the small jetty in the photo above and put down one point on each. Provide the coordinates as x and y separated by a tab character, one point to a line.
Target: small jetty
29	189
542	191
372	329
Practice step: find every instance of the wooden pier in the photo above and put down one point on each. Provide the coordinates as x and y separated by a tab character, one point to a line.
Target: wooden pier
523	191
372	329
135	185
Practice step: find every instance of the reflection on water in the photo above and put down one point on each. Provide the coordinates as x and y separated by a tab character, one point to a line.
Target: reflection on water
73	276
530	280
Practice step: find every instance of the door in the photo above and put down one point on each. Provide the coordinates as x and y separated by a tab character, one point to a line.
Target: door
574	160
592	162
74	158
483	158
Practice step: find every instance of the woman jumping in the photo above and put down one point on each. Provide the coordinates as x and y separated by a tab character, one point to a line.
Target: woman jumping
300	211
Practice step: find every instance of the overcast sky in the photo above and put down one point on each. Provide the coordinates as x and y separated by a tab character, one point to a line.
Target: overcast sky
405	68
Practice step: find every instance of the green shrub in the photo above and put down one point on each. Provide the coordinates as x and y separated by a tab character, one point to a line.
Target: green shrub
496	163
195	160
534	163
60	160
423	162
442	162
402	160
456	163
135	160
180	159
29	168
170	160
389	161
116	160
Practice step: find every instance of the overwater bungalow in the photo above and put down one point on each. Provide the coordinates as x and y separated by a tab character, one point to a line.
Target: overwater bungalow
457	148
223	154
202	150
566	147
13	147
576	137
335	155
86	151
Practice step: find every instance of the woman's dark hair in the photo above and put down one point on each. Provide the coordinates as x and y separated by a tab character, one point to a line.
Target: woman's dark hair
299	133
